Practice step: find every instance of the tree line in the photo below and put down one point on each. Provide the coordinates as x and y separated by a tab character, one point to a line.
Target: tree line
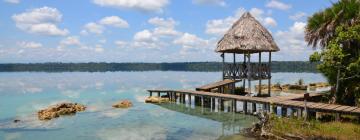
276	66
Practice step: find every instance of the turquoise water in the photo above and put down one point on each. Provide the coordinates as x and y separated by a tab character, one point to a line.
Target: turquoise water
22	94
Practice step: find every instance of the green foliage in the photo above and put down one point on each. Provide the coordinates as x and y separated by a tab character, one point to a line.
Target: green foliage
240	91
321	26
337	30
314	129
315	57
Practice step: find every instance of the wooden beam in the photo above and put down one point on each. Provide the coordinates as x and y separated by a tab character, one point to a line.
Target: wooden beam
269	80
260	73
234	63
244	63
223	64
249	73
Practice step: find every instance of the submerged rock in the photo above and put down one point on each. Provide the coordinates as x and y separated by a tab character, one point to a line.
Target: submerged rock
16	120
153	99
293	87
275	87
60	109
319	85
123	104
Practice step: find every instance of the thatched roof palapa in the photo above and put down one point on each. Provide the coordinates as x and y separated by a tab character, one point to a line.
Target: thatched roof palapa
247	35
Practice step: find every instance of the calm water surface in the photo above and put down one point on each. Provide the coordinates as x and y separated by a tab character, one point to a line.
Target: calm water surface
22	94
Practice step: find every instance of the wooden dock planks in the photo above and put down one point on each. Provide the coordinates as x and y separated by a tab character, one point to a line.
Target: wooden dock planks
286	101
216	85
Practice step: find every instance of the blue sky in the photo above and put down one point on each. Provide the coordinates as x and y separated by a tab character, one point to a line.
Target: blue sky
142	30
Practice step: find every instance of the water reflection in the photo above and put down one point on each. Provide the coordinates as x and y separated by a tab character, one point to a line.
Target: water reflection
22	94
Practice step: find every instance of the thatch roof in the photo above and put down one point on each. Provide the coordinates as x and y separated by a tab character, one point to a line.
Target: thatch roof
247	35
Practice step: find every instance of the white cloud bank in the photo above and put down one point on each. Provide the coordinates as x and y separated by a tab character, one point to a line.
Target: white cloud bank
114	21
211	2
99	27
142	5
40	21
278	5
93	27
30	44
292	43
220	26
298	16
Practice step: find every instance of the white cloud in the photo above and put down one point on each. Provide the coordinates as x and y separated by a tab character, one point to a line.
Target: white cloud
268	21
262	18
220	26
93	27
98	48
70	41
13	1
144	36
75	42
157	37
114	21
19	52
193	43
136	131
142	5
257	13
164	27
297	16
214	2
40	21
170	23
147	39
292	43
25	44
120	43
278	5
99	27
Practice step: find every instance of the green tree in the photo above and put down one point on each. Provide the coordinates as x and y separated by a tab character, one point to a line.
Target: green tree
336	30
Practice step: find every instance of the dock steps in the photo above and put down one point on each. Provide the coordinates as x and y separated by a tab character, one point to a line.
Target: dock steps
218	84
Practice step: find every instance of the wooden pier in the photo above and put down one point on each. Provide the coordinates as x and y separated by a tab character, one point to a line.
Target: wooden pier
220	85
292	105
246	37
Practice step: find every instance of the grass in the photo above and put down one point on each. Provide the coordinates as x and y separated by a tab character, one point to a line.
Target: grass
315	129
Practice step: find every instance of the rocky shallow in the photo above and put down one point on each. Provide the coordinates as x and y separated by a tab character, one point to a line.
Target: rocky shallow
60	109
156	100
123	104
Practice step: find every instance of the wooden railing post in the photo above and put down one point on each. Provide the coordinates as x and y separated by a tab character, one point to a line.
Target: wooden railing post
269	76
223	64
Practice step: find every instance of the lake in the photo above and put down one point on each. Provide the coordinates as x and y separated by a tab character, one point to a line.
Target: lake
22	94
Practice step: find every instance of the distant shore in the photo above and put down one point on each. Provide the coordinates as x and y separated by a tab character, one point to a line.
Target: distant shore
276	66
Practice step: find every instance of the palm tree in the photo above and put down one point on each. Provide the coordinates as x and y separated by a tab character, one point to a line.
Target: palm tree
321	26
321	29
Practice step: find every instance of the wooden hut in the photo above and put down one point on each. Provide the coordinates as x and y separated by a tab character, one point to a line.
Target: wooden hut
247	36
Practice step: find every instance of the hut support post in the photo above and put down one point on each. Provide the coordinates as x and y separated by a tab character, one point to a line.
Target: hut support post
245	107
223	64
269	78
235	105
244	63
189	99
260	73
253	108
249	73
234	75
234	63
